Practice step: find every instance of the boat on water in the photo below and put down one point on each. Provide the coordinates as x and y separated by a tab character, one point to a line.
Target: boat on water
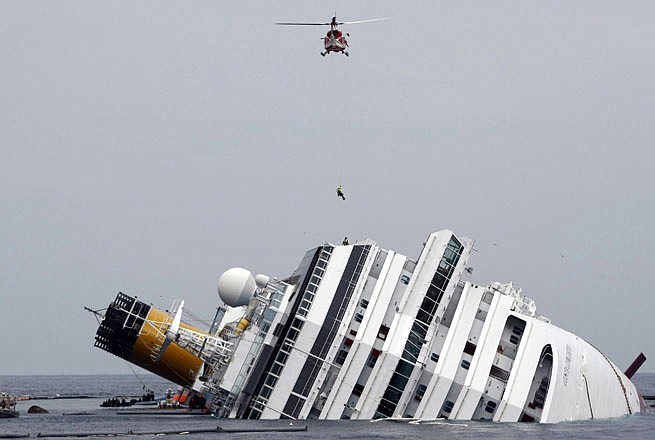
7	406
117	402
361	332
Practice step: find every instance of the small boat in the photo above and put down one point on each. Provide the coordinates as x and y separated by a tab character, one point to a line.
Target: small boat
117	402
7	406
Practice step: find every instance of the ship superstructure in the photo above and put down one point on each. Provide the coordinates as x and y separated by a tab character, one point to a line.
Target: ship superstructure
360	332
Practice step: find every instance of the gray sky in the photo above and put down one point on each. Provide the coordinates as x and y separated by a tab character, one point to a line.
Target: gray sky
149	146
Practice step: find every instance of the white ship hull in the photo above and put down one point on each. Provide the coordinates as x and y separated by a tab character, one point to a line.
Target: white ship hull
359	332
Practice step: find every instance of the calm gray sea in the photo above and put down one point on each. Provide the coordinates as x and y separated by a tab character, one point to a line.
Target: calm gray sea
106	420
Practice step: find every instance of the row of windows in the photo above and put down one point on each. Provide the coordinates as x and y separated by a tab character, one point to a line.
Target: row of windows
395	388
423	319
352	283
308	298
280	359
415	342
430	303
314	281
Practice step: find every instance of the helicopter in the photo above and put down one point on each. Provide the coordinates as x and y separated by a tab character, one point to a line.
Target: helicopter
334	40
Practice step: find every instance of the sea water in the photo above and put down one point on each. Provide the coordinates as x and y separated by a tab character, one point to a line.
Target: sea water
73	405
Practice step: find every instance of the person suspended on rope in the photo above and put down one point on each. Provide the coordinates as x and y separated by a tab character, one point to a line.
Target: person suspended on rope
345	241
340	193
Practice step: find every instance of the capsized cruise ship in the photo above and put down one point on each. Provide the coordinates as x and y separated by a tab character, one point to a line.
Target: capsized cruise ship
360	332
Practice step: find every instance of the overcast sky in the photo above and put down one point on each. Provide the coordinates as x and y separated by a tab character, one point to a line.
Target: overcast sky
148	146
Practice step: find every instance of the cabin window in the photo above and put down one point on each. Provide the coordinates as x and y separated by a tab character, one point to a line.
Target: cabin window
341	357
444	268
359	317
266	392
434	357
271	381
358	389
304	308
292	334
404	279
450	255
514	339
491	407
420	391
465	364
276	369
448	406
363	303
382	333
372	358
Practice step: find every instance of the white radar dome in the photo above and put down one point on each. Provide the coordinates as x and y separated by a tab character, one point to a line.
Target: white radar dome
262	280
236	287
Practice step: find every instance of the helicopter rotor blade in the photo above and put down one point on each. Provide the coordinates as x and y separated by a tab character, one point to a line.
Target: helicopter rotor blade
303	24
365	21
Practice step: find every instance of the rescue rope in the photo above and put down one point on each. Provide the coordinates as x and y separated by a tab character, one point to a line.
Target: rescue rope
344	119
143	385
